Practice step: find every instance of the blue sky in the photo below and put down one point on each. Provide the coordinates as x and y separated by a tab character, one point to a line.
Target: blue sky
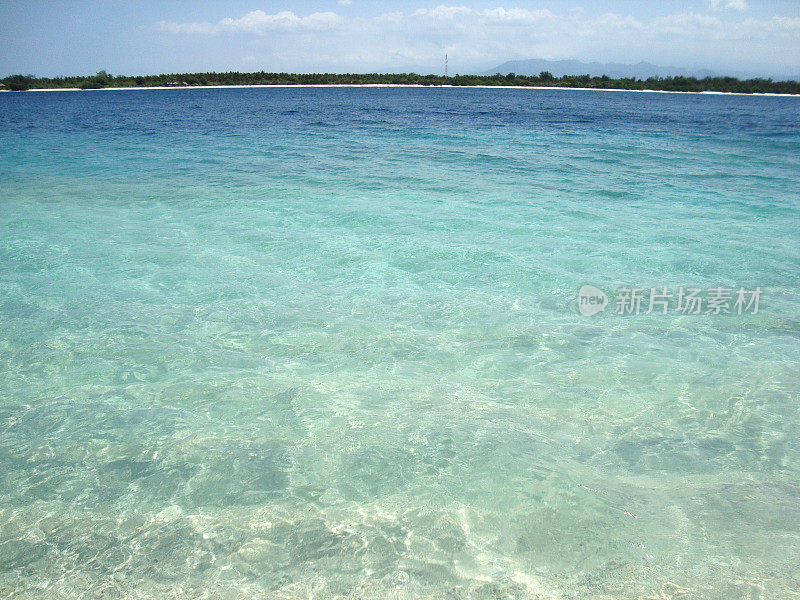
57	37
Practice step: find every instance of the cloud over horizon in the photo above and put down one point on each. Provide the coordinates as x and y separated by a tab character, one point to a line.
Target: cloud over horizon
727	36
475	38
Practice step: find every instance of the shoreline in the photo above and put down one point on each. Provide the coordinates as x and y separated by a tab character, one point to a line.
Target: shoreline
404	85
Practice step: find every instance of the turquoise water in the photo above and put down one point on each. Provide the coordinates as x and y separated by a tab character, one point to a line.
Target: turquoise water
325	343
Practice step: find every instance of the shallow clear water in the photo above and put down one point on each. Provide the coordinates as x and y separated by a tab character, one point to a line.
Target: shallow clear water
325	343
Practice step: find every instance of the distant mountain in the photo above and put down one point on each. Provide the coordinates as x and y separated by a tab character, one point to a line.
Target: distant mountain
559	68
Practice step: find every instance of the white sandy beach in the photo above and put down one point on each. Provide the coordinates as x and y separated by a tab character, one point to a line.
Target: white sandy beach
400	85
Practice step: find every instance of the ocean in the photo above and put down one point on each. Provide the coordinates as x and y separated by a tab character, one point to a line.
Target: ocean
444	343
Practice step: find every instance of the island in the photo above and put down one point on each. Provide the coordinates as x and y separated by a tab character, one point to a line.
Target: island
102	79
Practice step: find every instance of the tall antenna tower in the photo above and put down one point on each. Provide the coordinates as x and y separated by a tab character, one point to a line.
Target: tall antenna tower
446	68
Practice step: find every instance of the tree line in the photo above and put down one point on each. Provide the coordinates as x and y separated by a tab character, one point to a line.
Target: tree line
546	79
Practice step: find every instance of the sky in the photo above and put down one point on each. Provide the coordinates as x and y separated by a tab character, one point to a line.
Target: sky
79	37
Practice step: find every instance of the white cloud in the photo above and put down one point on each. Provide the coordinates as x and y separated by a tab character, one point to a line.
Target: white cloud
505	15
444	12
689	25
345	2
321	20
257	22
479	39
615	21
729	4
517	15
